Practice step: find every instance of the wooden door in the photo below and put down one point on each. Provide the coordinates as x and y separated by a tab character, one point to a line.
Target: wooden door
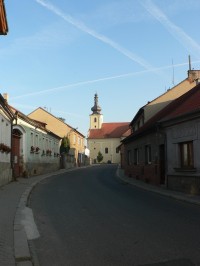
16	153
162	163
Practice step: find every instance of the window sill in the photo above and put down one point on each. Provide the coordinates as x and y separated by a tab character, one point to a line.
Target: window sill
185	170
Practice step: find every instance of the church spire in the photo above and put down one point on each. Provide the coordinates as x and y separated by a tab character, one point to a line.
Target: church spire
96	109
96	118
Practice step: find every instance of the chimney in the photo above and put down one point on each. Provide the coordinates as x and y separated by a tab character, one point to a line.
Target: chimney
5	96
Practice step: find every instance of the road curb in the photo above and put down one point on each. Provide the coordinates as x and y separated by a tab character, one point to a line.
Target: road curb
22	250
168	193
21	247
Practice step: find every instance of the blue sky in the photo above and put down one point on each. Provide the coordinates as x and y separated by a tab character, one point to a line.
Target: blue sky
59	53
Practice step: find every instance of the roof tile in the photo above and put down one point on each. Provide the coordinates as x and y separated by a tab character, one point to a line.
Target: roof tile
110	130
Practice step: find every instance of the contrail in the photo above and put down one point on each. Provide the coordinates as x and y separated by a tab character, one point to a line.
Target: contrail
98	80
55	110
102	38
176	31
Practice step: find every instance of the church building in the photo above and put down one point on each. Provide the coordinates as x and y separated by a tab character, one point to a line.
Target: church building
105	137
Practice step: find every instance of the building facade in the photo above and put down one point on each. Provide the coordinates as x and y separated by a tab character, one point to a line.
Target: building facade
182	130
60	128
6	118
35	150
148	151
105	137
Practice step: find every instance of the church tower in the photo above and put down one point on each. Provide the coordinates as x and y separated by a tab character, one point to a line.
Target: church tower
96	118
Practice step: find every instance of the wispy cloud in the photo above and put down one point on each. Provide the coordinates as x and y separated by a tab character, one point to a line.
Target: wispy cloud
112	13
81	26
52	35
81	83
190	44
30	107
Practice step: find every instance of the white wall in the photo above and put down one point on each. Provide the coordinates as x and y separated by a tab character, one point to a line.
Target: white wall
5	138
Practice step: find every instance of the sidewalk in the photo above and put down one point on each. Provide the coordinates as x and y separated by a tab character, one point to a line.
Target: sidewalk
160	190
14	248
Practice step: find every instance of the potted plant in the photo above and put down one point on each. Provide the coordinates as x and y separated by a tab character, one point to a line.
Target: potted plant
8	149
48	152
32	149
4	148
1	147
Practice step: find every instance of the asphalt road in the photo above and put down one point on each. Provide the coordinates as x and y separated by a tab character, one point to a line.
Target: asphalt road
88	217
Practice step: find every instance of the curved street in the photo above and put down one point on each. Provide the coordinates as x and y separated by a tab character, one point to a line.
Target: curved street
89	217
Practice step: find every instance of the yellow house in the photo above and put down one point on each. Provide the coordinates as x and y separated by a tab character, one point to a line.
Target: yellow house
60	128
151	108
105	137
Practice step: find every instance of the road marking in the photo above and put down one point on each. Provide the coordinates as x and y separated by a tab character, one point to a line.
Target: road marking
28	222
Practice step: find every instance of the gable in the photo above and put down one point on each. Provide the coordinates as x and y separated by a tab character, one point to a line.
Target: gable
186	103
162	101
52	123
5	108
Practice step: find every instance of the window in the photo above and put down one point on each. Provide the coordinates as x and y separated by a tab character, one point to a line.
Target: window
129	157
32	140
117	150
36	140
136	156
148	154
186	154
95	120
43	143
106	150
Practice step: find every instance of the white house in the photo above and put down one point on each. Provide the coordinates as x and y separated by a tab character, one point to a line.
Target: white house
35	149
6	117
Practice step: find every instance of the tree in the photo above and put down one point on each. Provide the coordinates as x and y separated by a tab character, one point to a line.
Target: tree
65	145
99	157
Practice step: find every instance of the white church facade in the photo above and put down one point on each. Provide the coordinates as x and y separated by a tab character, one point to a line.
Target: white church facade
105	137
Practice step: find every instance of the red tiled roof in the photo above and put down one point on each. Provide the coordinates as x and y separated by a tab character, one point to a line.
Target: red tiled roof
187	103
110	130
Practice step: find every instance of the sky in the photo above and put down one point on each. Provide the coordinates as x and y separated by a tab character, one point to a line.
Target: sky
59	53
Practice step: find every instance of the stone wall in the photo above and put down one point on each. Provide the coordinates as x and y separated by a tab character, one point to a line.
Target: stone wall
32	169
5	173
188	184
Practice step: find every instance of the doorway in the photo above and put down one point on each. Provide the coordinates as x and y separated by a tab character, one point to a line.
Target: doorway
162	163
16	135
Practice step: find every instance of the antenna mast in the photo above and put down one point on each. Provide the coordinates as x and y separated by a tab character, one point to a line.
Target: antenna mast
189	63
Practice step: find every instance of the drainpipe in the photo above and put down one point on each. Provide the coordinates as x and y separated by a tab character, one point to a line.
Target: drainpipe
165	145
11	154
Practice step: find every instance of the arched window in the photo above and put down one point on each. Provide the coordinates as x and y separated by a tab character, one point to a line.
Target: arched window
95	119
